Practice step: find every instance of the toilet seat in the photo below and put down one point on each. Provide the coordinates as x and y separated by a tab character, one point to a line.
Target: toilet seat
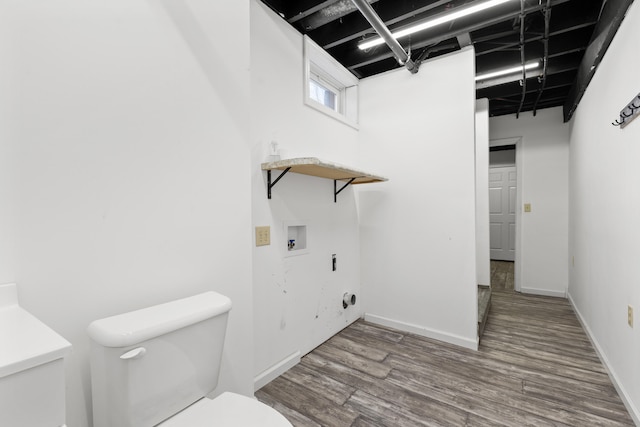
227	410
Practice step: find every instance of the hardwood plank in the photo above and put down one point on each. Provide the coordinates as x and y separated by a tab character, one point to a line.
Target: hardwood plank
535	366
557	356
333	390
401	399
482	360
537	337
342	373
424	350
367	349
528	342
383	412
353	361
474	402
310	403
569	331
615	411
482	398
363	421
379	332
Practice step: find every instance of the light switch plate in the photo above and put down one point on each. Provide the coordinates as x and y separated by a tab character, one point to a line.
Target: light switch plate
630	315
263	235
527	207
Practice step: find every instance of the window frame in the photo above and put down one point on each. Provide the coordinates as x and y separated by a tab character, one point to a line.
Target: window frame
328	73
323	83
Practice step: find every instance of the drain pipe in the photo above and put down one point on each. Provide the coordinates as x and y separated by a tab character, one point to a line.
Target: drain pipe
382	30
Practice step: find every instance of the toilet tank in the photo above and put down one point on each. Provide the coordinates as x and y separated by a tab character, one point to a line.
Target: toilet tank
149	364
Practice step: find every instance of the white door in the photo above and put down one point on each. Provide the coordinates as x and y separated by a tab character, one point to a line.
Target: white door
502	212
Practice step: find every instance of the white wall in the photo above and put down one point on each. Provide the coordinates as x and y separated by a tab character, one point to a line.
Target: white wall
483	251
418	230
605	209
542	158
297	300
125	124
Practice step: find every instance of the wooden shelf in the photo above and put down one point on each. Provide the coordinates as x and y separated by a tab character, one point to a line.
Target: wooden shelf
315	167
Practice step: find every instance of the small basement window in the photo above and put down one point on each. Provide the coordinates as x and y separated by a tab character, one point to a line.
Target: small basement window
324	93
329	87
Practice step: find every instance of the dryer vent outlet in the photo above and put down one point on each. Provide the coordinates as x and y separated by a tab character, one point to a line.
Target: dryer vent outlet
348	299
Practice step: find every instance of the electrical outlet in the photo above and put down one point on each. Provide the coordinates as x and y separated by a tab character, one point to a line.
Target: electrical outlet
630	315
263	236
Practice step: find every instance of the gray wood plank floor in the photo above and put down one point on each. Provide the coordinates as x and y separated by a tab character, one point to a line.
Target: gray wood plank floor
535	367
502	275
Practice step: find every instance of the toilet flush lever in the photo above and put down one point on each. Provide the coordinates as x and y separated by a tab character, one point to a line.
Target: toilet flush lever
136	353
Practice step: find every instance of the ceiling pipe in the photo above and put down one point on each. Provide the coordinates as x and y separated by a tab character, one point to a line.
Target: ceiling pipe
545	59
370	15
522	59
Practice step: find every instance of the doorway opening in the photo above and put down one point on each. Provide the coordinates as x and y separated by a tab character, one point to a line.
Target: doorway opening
503	203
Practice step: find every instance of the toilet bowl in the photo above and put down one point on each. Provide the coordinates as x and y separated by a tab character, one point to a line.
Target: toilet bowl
155	367
227	410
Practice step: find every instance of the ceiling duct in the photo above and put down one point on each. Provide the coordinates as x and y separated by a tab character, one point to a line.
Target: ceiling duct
370	15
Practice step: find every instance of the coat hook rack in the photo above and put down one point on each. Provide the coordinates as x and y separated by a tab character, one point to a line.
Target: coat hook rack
628	113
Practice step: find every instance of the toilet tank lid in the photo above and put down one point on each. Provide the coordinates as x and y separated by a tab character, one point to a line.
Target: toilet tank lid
137	326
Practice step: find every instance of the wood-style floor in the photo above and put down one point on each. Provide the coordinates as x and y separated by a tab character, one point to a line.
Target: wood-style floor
535	367
502	275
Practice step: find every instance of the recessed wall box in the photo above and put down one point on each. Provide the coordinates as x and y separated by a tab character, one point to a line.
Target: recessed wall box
297	243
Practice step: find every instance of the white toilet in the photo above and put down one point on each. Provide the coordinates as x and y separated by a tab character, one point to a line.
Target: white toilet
155	366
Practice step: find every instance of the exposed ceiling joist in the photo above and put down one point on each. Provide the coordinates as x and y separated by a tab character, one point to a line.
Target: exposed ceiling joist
356	59
494	33
303	8
582	26
355	26
336	10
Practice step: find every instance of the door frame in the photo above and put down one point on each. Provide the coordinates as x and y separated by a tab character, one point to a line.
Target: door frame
517	141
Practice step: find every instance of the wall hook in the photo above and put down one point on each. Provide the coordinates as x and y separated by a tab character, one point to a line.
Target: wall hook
628	113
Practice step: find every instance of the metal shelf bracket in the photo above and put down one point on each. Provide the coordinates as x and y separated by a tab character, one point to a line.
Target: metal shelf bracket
271	184
336	191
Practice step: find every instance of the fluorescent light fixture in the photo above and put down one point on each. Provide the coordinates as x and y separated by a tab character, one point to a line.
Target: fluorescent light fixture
448	17
512	70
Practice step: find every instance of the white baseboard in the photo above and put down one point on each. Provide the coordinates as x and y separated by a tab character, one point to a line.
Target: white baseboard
270	374
423	331
633	411
544	292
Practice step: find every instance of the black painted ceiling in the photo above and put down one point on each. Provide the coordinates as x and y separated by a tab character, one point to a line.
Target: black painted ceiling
338	27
